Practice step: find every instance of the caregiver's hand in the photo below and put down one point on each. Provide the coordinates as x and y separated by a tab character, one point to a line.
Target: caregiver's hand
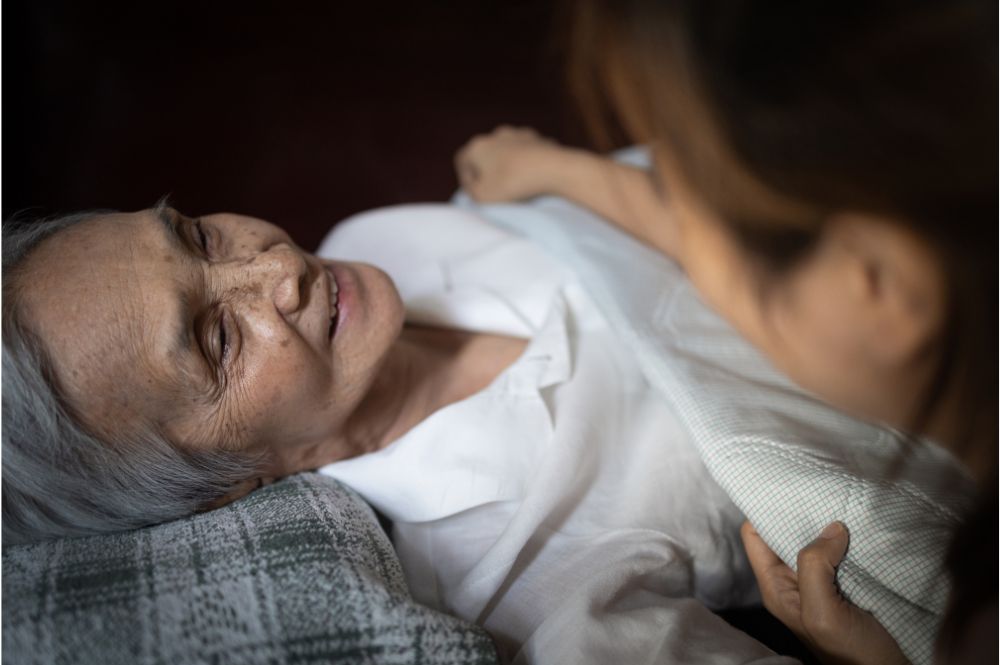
510	164
810	604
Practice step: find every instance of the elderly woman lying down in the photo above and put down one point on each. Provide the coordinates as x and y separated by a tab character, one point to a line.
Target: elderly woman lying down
156	365
468	387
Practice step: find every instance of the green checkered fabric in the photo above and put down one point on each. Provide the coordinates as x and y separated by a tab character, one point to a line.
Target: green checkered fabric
297	572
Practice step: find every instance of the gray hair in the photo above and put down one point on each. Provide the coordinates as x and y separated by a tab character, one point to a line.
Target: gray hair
59	479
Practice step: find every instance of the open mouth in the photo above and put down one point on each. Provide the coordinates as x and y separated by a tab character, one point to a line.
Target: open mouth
334	289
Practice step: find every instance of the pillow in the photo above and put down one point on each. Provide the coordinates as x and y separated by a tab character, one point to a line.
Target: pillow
791	463
299	571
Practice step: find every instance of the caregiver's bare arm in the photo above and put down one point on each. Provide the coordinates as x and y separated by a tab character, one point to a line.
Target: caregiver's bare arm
512	164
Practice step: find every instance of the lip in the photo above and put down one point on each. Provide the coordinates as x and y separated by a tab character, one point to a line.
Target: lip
336	274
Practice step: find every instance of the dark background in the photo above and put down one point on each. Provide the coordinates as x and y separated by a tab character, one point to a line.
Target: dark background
300	113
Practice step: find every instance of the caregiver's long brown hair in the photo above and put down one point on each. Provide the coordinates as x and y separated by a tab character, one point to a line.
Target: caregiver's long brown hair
784	112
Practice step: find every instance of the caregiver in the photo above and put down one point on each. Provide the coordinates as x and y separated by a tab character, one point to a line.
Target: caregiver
826	175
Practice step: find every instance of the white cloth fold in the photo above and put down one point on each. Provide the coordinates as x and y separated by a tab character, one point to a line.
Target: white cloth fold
564	507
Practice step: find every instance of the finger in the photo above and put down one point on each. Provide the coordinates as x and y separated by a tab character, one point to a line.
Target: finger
778	586
460	156
465	167
521	132
762	558
824	612
468	172
467	146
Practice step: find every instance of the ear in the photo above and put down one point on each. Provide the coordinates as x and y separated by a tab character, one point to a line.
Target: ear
897	280
237	492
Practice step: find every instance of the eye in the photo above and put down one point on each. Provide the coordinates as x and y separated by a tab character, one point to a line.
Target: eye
226	337
223	342
202	235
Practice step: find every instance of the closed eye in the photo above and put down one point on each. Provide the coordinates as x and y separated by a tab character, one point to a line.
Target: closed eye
202	236
223	340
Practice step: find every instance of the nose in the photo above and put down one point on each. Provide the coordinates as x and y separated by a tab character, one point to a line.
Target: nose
278	273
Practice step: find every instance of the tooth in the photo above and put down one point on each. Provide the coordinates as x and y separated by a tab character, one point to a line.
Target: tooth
333	311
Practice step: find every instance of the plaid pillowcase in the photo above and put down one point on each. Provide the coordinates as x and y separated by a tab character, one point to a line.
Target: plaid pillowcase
296	572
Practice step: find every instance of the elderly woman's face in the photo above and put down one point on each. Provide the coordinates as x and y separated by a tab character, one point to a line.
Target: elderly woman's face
217	331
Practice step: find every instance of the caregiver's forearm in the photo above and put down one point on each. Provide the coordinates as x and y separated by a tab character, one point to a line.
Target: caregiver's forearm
622	194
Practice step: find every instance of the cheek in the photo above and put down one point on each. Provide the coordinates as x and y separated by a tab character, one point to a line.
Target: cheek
285	397
817	341
819	318
795	321
289	373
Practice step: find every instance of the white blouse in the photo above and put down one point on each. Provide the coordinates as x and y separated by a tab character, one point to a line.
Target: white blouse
564	507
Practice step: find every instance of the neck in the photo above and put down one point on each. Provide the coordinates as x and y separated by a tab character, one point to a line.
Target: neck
420	375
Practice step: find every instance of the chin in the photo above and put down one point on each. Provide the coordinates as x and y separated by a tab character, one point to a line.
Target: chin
363	342
384	312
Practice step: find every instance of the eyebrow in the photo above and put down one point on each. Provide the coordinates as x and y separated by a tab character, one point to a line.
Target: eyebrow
167	217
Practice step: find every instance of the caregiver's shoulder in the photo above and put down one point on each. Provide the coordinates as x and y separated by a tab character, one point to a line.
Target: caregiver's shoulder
440	229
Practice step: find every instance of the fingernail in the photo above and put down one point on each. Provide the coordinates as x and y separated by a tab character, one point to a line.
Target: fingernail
832	530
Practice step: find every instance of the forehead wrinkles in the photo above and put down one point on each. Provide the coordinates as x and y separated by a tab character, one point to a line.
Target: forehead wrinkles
104	318
105	298
138	385
100	362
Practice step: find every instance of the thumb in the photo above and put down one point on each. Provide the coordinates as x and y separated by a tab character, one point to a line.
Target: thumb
823	609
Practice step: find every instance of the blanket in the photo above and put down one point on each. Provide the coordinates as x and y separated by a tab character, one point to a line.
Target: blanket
791	463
